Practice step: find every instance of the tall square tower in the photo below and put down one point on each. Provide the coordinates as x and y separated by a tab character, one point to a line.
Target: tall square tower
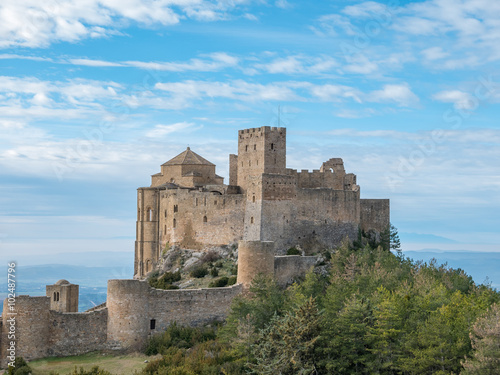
260	150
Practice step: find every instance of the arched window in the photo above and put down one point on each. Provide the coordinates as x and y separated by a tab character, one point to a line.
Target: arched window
254	147
138	214
149	216
253	199
251	220
176	208
174	223
55	296
148	265
205	219
165	213
152	324
246	148
249	163
272	146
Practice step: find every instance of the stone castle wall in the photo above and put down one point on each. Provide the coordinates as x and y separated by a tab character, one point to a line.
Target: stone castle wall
41	332
77	333
32	327
133	306
201	218
315	220
254	257
288	268
375	214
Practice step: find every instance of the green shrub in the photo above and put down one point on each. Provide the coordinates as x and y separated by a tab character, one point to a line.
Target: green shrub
177	336
234	270
199	272
219	283
231	280
20	367
165	281
219	264
210	257
171	286
293	251
214	272
172	277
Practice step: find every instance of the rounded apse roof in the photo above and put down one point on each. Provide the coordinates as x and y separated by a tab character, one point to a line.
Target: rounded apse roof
62	282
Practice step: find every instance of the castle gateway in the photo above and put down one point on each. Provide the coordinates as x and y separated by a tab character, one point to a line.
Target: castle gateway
189	205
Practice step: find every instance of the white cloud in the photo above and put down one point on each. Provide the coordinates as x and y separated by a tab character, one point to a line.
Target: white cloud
9	124
95	63
366	9
298	64
33	23
434	53
283	4
27	98
237	90
400	94
334	25
160	131
6	56
460	99
467	27
330	92
209	63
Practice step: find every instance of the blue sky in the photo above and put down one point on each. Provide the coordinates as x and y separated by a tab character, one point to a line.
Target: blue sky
95	95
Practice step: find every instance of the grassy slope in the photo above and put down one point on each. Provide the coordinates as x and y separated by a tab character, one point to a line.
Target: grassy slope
124	364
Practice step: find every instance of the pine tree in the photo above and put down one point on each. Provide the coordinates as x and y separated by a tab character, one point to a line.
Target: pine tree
287	345
485	337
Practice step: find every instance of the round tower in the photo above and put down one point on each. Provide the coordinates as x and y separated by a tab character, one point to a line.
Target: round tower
127	303
30	325
254	257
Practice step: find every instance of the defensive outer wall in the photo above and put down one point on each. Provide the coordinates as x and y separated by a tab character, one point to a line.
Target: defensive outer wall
134	311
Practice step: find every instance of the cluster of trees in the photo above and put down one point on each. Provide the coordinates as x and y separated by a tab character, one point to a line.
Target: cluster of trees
373	312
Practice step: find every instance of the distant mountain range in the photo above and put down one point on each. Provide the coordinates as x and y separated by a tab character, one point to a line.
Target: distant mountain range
92	280
484	267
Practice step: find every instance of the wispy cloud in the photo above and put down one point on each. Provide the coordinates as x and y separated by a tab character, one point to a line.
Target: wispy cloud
160	131
400	94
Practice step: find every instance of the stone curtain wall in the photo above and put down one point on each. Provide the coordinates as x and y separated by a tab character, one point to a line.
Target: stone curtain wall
375	214
41	332
133	305
315	220
224	215
288	268
77	333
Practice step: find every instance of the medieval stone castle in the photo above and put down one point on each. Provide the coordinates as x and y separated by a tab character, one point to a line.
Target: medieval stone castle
266	209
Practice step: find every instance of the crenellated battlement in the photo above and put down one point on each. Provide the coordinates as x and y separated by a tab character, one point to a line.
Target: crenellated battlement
263	130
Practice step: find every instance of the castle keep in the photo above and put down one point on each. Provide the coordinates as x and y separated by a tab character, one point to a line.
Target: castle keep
266	208
188	204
